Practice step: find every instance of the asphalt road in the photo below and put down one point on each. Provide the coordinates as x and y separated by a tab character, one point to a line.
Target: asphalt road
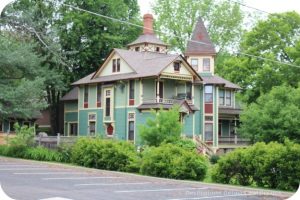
32	180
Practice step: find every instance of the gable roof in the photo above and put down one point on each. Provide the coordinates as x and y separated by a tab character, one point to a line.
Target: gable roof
147	38
144	64
71	95
217	80
200	42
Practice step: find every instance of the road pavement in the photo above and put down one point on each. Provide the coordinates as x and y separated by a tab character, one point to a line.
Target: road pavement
32	180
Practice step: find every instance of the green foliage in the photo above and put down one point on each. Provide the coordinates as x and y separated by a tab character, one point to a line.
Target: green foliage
178	18
274	117
163	127
276	38
171	161
105	154
90	38
42	154
22	89
214	159
187	144
24	136
270	165
66	152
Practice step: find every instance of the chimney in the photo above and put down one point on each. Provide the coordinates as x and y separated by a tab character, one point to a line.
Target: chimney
148	24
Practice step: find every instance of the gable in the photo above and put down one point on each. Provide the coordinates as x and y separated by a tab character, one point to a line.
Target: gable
107	68
185	71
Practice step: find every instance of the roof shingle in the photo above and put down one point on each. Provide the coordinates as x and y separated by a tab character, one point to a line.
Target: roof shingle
200	42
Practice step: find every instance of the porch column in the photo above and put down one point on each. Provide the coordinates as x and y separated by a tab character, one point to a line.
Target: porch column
157	91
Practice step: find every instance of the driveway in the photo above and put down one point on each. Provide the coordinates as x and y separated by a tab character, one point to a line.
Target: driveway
32	180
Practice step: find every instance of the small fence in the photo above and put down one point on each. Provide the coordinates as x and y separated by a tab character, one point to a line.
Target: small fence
234	140
53	142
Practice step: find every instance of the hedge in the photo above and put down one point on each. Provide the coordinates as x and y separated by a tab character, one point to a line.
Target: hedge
270	165
172	161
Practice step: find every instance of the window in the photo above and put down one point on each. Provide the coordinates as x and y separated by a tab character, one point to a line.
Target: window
86	96
131	118
73	129
208	132
228	98
131	92
189	91
206	64
157	49
221	97
92	128
131	130
116	65
92	124
194	63
176	66
137	49
107	107
208	93
98	95
209	118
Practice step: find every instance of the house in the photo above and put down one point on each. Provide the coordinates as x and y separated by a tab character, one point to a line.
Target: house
131	82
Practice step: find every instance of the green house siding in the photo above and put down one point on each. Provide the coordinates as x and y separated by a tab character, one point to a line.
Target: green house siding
201	113
137	92
83	121
215	116
71	117
188	126
80	97
121	123
198	126
121	94
149	89
92	96
71	106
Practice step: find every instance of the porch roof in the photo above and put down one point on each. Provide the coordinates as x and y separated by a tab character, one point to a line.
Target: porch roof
230	111
148	106
217	80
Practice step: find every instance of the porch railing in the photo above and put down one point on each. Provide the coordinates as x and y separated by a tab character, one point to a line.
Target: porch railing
233	140
164	101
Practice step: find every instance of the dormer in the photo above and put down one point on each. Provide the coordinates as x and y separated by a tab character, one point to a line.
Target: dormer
148	41
200	51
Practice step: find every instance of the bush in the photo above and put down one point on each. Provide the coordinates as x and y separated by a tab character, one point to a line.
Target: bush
66	152
171	161
270	165
187	144
214	159
42	154
163	127
105	154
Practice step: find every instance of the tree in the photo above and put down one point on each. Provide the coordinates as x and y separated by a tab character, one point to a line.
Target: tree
275	38
177	19
22	87
163	127
275	116
90	38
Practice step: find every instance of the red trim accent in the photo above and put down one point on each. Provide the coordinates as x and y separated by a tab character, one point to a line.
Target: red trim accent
110	129
131	102
85	104
98	104
208	108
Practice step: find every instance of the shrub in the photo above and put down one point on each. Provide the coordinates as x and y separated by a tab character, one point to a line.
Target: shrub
214	159
105	154
42	154
66	152
171	161
270	165
163	127
187	144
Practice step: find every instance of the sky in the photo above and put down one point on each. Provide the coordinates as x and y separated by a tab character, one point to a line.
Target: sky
266	5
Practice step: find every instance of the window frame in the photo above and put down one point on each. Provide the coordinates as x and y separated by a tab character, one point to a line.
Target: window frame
99	93
222	91
208	94
118	64
228	98
206	68
176	66
86	96
195	66
211	132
